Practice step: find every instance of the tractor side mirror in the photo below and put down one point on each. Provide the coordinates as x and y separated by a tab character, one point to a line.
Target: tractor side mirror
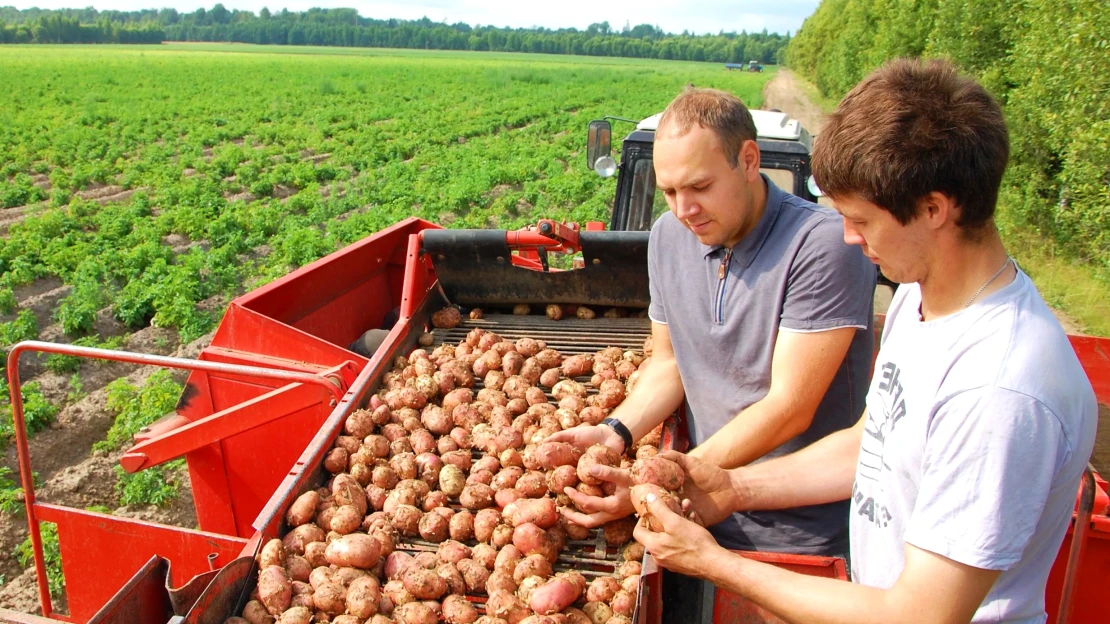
814	190
598	148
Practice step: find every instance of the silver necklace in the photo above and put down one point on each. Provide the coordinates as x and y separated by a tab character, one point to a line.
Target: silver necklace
984	286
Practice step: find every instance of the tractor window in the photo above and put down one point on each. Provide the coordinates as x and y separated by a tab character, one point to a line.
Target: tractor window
643	206
783	178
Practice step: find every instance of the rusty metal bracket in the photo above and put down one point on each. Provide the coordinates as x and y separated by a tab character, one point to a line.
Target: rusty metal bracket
329	380
1087	490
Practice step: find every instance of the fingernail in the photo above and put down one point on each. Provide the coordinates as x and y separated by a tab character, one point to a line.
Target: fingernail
595	471
650	498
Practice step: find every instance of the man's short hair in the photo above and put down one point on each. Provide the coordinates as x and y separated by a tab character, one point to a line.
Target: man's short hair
715	110
910	128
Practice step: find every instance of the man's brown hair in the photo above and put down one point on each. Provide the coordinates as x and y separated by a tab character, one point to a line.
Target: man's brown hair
715	110
910	128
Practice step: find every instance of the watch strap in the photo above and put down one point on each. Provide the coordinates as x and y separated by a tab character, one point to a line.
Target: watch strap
621	430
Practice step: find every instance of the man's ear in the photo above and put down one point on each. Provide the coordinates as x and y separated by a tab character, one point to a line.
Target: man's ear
939	210
749	160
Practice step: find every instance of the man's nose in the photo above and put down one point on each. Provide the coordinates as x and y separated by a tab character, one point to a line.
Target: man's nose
686	206
852	235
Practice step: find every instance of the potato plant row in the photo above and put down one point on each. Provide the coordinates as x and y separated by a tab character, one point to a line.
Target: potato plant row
451	455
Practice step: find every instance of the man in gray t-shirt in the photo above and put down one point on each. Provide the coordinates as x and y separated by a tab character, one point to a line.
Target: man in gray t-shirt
761	322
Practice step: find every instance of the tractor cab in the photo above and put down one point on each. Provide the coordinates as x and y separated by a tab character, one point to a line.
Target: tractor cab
784	148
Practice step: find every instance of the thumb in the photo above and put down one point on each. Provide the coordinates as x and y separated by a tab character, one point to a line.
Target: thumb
567	436
618	476
683	460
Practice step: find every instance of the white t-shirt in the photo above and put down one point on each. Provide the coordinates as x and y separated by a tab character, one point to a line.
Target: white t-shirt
979	426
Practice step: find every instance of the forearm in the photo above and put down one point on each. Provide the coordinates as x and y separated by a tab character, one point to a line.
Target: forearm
756	431
822	472
656	395
801	598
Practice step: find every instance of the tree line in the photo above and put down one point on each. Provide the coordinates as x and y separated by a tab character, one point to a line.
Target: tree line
1047	62
345	27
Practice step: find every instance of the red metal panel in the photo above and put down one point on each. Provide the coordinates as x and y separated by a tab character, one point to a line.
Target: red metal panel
143	599
1094	355
100	553
249	331
14	617
346	316
730	608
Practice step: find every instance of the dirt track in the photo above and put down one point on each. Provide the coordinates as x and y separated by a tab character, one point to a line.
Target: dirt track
784	93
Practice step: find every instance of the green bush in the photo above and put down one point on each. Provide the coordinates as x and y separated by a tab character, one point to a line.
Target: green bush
38	412
136	408
147	487
51	554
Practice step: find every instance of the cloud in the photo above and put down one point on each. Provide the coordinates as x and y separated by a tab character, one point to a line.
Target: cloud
704	16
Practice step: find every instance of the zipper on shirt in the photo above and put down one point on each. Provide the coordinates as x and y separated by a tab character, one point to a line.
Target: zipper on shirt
722	280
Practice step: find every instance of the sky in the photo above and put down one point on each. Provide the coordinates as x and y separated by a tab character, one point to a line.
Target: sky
700	16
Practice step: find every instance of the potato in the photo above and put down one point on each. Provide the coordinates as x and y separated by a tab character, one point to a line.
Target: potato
396	563
336	460
568	387
476	496
598	454
554	311
540	512
296	540
527	586
532	565
592	415
506	606
511	458
452	552
584	313
602	589
273	553
659	471
633	552
453	399
450	575
346	491
446	444
295	615
554	454
574	616
399	496
415	613
631	584
506	478
618	532
423	584
356	550
461	459
502	535
275	590
623	603
396	592
628	568
406	519
447	318
451	480
346	619
554	596
362	597
577	366
507	558
484	477
237	620
598	612
297	568
504	439
433	527
532	484
473	573
639	494
484	523
550	377
456	610
426	560
422	441
382	619
314	554
346	519
574	531
303	509
561	478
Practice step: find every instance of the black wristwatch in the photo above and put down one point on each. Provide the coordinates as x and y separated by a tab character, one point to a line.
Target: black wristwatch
621	430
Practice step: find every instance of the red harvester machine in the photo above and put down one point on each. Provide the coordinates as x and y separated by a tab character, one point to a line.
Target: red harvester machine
266	400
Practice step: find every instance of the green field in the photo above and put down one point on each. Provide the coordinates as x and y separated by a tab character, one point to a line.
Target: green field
245	162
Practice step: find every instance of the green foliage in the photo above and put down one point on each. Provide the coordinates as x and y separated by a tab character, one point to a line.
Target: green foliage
11	494
136	408
7	300
52	556
147	487
1047	62
38	412
76	389
24	327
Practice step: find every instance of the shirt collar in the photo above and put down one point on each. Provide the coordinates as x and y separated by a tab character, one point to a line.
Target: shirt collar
746	250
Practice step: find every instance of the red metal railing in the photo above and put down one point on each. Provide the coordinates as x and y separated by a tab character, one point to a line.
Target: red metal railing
330	381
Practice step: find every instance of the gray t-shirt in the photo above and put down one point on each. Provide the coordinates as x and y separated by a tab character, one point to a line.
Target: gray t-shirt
979	425
793	272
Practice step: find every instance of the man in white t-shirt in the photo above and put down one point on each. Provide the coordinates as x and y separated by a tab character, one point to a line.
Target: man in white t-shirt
963	472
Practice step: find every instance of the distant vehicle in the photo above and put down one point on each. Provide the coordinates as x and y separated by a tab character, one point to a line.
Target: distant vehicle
754	66
732	66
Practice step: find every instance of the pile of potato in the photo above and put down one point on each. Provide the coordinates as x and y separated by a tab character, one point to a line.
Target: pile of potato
444	488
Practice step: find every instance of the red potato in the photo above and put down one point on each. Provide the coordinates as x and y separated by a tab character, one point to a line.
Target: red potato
359	424
639	494
574	616
511	458
644	452
568	419
422	441
476	496
446	444
500	581
554	596
554	454
507	558
406	519
568	387
450	575
336	460
502	535
554	311
633	552
346	491
494	398
273	553
504	498
447	318
530	538
506	478
623	603
532	565
474	574
434	527
377	445
346	519
382	619
427	560
346	619
487	462
461	459
384	477
296	540
592	415
320	575
484	554
602	589
428	466
457	610
494	380
356	550
399	496
511	363
518	406
532	484
295	615
574	531
445	381
402	445
396	564
598	454
628	568
275	590
507	606
534	396
452	552
561	478
394	432
550	377
484	477
362	597
314	554
415	613
659	471
598	612
577	365
455	398
631	584
423	584
396	593
484	523
540	512
585	313
618	532
527	586
531	371
298	568
461	526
